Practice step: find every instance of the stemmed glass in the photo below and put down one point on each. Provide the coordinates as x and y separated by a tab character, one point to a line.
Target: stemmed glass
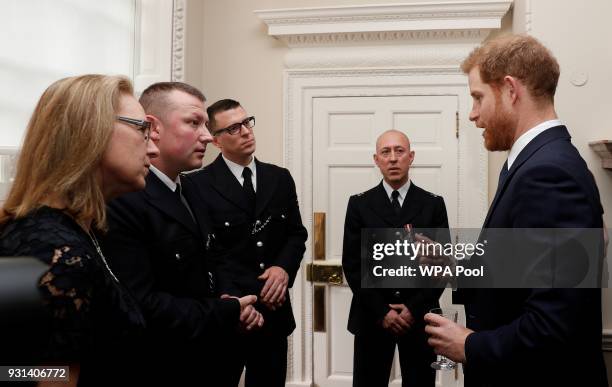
444	363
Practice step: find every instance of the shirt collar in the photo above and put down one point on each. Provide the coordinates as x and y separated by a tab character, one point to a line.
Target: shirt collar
527	137
165	179
403	190
237	168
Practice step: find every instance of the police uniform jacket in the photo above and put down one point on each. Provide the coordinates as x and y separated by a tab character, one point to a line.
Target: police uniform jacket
373	209
157	250
247	243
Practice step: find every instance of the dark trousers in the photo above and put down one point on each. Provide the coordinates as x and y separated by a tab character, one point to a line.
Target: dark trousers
373	357
264	354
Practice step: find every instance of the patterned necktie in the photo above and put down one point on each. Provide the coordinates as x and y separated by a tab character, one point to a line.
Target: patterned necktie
395	202
249	190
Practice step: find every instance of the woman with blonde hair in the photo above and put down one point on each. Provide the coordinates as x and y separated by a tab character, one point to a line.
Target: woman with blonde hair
86	143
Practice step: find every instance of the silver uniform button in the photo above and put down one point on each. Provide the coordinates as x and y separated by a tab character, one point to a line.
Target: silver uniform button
397	233
226	224
283	216
262	266
259	243
397	293
258	222
178	256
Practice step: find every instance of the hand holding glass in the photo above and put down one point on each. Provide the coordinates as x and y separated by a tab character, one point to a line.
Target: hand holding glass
444	363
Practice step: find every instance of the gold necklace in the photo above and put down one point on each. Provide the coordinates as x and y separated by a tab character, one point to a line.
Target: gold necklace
92	236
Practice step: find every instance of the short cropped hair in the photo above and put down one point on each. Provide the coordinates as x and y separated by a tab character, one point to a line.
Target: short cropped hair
65	141
218	107
153	98
519	56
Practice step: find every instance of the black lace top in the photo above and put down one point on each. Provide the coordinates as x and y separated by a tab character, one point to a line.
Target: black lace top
93	315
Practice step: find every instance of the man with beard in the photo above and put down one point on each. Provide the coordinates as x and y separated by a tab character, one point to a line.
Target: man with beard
527	337
160	252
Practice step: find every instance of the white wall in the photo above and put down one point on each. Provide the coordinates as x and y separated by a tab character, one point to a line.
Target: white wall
43	41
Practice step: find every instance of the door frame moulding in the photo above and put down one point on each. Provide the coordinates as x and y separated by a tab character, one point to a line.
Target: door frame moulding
376	50
303	88
158	42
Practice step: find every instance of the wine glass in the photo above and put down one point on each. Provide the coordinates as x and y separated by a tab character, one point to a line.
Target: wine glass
444	363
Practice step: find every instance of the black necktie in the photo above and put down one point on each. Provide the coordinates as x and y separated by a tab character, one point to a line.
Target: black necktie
249	191
395	202
503	174
179	193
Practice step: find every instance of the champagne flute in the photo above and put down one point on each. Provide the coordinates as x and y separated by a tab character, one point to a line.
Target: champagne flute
444	363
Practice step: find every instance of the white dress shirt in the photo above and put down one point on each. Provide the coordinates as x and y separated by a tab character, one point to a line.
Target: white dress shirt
165	179
526	138
237	170
172	185
403	190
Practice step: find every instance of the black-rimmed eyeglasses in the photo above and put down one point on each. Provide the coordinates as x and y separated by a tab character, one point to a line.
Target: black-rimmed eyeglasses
144	126
248	123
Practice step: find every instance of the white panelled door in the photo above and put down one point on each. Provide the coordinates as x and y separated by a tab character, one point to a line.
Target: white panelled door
344	136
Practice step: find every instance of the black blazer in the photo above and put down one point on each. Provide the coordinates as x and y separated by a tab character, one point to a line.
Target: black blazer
244	247
372	209
157	250
544	337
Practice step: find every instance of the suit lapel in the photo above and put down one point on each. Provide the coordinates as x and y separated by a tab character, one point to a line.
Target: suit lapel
266	186
166	201
411	207
558	132
381	205
226	184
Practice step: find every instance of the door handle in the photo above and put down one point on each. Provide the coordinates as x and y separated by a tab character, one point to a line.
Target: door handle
318	308
319	236
318	270
321	274
324	273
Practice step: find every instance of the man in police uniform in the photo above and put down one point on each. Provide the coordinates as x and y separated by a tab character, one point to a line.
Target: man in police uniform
380	319
259	239
157	250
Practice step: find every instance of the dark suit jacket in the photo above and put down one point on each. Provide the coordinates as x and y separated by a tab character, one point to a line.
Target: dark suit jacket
158	251
372	209
543	337
245	247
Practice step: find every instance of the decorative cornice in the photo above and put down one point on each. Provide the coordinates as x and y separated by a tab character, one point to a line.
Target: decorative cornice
347	38
368	21
371	72
405	55
178	40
